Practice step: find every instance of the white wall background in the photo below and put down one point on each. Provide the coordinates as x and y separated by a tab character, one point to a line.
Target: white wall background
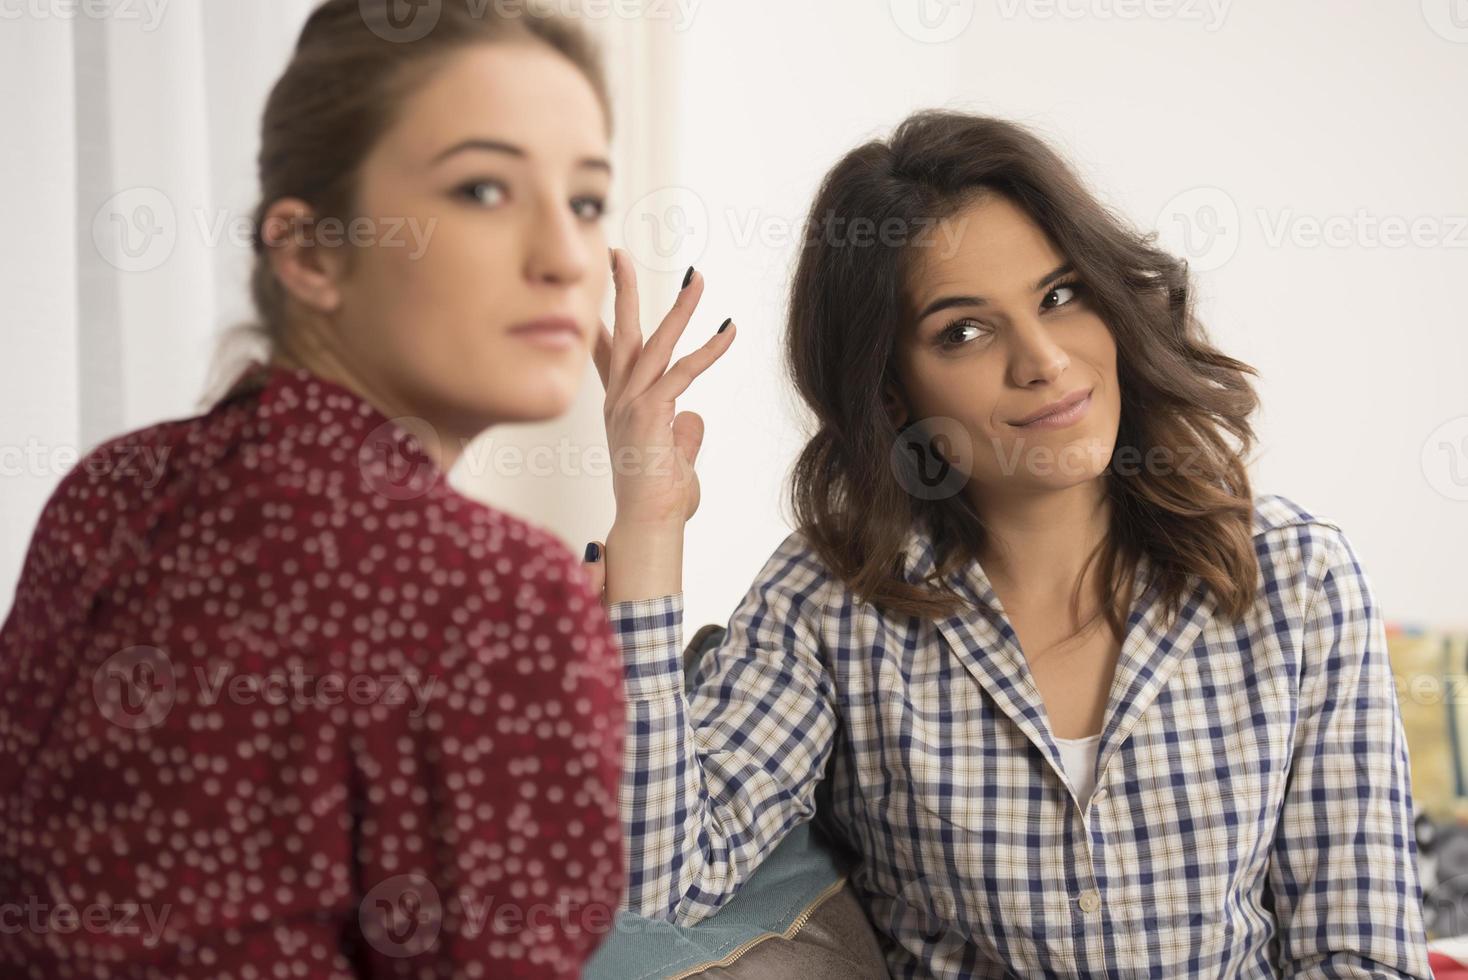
1238	129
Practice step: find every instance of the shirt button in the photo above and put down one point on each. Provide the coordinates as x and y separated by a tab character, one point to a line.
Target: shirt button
1099	795
1090	901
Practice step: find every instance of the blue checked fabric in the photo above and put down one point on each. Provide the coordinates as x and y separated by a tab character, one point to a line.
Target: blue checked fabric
1252	814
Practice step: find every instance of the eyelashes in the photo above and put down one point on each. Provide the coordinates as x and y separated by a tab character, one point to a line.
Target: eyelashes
598	205
589	208
943	342
470	190
1075	285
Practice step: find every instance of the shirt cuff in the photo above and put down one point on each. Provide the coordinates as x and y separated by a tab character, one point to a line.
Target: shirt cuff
650	633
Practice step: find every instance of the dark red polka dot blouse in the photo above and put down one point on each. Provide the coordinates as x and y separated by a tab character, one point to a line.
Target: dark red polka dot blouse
276	701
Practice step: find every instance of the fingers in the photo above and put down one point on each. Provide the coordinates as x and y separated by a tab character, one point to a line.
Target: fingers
601	353
653	360
690	366
626	328
594	565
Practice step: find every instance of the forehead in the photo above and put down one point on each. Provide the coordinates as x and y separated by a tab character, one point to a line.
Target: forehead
990	247
520	92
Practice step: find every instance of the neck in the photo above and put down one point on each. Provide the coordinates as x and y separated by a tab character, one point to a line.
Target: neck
1037	543
332	365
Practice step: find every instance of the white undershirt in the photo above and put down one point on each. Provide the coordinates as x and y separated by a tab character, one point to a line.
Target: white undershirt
1079	756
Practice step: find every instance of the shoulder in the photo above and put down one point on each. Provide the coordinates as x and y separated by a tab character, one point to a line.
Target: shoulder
484	551
1298	545
133	461
1280	518
511	548
1273	511
794	588
119	477
478	584
434	558
796	566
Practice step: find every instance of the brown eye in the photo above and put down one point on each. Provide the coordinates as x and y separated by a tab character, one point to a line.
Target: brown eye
1074	288
589	208
947	337
490	193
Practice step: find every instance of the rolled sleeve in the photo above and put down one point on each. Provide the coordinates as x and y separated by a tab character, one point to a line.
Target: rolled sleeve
649	632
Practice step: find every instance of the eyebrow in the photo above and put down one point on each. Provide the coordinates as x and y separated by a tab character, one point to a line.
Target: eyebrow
510	149
947	302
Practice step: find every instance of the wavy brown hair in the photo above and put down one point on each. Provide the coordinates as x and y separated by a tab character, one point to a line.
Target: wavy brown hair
355	64
847	309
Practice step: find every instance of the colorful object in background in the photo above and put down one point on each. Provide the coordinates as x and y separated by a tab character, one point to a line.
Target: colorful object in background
1449	959
1431	671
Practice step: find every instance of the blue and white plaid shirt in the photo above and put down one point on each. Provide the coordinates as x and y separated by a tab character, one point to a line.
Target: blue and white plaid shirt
1252	815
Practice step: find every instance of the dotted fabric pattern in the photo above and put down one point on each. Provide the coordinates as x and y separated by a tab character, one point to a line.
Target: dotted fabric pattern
276	701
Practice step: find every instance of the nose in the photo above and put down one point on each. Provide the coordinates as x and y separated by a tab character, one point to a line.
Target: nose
556	250
1035	358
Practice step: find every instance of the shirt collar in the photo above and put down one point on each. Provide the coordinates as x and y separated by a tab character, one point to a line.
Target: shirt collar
919	551
920	555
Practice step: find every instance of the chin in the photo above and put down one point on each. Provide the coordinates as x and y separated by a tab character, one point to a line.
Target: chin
541	403
1057	459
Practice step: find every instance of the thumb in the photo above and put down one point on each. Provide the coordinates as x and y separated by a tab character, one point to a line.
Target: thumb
594	564
688	435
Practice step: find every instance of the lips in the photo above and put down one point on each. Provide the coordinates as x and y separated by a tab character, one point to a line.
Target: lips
548	325
1055	408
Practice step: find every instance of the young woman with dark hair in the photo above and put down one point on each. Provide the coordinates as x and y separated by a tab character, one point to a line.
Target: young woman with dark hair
1091	705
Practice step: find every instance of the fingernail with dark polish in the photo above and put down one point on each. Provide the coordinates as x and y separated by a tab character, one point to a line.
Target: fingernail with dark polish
593	551
687	278
725	324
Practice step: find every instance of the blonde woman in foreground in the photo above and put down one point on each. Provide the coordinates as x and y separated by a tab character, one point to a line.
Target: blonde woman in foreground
293	707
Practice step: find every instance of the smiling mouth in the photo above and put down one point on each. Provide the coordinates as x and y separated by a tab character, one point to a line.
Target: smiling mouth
1060	417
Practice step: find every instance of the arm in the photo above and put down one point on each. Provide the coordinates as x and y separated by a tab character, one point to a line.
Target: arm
1344	868
713	782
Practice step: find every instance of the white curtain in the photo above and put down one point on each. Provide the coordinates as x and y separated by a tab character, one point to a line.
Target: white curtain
129	181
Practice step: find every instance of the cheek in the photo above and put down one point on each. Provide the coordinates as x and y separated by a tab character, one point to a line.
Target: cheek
387	290
1106	368
1100	348
431	268
964	389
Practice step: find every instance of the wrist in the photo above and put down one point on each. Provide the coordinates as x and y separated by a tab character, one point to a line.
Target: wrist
658	524
643	561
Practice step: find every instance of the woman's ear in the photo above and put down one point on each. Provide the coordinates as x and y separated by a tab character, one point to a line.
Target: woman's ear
308	272
895	405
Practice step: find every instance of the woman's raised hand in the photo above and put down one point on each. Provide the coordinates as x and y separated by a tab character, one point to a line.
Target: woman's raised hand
653	446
